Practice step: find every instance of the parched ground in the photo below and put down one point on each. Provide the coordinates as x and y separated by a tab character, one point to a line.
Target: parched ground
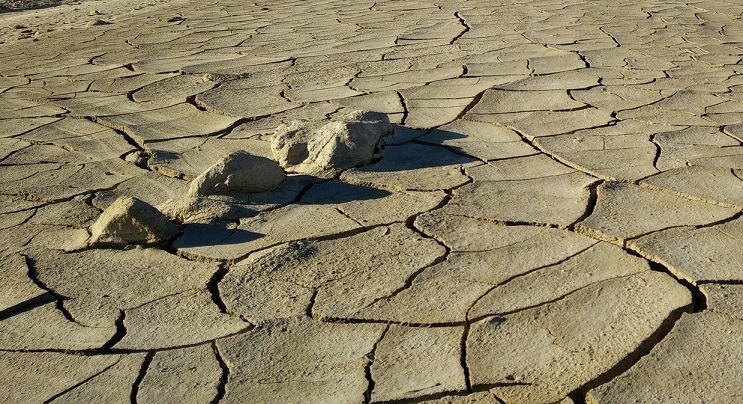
556	218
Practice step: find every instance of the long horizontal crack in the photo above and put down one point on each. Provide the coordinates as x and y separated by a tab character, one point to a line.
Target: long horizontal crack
449	395
546	302
344	320
626	241
685	195
118	351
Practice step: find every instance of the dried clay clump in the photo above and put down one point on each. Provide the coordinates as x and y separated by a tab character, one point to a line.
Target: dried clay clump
131	221
321	148
238	172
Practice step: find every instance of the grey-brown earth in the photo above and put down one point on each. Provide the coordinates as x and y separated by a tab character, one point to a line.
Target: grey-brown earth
540	204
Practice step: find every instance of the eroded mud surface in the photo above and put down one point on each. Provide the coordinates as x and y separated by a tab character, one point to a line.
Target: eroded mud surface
556	217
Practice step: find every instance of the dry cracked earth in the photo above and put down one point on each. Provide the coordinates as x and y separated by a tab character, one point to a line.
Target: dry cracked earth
556	218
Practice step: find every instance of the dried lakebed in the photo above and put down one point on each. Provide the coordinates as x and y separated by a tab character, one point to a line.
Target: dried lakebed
551	214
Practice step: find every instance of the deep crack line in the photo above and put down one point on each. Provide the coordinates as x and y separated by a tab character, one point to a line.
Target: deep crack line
351	218
20	135
405	110
213	286
590	205
613	38
644	348
118	336
698	298
411	279
116	351
142	373
11	154
463	347
32	273
224	377
127	137
521	275
62	393
367	367
658	151
464	23
625	242
475	100
311	304
534	143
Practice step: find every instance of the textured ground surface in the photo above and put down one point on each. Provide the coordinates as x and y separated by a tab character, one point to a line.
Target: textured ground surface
557	217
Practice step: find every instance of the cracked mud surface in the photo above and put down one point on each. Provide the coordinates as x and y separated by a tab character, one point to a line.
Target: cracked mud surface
556	218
